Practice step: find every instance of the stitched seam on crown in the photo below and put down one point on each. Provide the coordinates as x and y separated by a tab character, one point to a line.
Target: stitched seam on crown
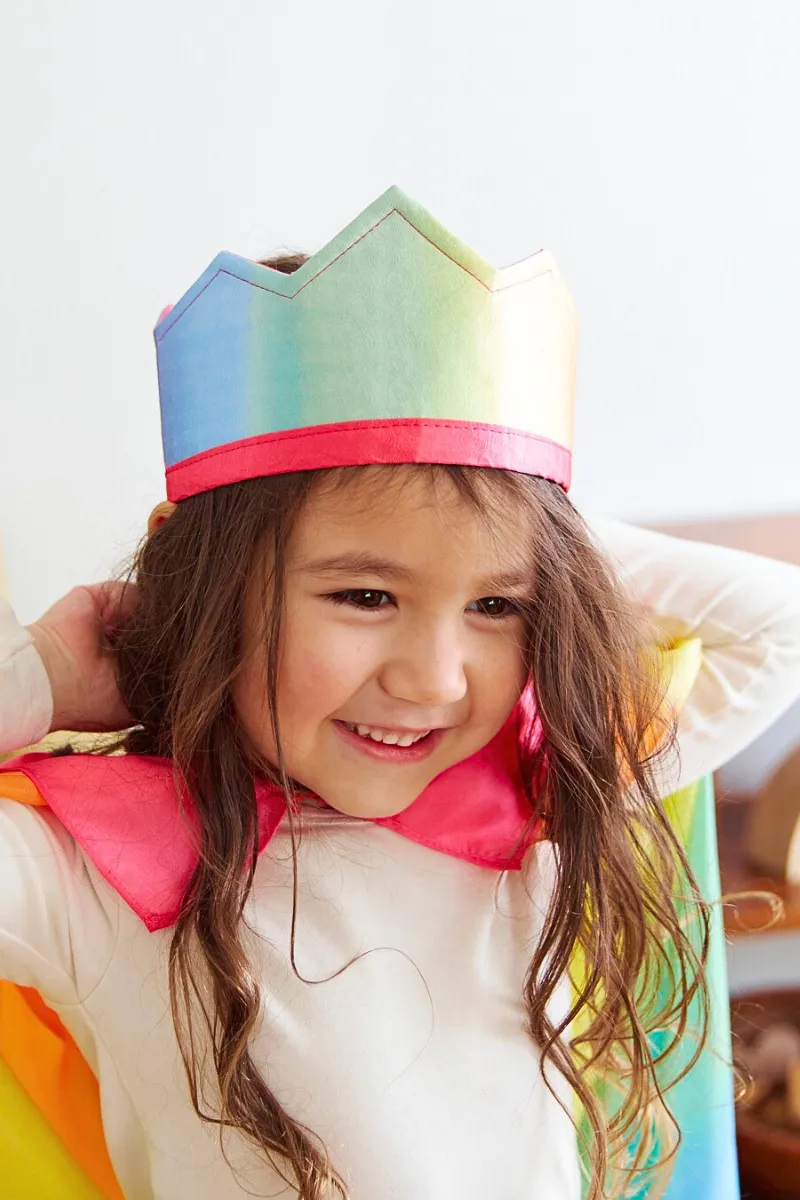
263	288
423	423
183	312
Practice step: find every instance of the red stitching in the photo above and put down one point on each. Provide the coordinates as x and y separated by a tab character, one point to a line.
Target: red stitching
191	302
347	249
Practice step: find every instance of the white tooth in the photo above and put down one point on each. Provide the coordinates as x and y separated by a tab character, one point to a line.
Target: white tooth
389	739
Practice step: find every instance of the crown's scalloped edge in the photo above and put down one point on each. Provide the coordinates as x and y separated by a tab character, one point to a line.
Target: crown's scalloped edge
393	200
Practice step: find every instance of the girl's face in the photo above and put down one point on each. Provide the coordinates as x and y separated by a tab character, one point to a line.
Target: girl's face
400	627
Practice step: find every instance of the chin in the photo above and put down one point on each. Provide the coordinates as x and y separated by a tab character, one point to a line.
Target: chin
369	809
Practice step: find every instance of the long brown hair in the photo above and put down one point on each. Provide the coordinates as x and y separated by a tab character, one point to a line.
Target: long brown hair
623	892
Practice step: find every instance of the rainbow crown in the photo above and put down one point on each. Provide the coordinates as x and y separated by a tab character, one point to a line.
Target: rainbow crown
395	343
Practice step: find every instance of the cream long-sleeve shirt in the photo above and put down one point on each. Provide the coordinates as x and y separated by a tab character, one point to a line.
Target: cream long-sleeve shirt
413	1065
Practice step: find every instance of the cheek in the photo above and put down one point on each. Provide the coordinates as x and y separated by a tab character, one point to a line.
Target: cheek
252	705
306	693
503	677
320	670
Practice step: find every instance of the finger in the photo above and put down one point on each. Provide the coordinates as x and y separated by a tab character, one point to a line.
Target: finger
116	601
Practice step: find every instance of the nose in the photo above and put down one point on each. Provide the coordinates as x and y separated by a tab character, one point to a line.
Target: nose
426	668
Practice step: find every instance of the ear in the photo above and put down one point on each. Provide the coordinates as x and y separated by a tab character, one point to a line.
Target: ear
161	513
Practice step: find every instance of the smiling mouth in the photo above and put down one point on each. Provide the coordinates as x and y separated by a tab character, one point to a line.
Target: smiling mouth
390	746
387	737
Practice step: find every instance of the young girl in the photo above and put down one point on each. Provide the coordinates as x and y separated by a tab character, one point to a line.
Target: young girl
384	885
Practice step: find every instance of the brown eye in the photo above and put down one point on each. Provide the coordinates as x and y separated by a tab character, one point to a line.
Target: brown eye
496	606
368	598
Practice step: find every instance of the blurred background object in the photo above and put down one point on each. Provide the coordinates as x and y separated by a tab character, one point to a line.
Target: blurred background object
772	833
766	1039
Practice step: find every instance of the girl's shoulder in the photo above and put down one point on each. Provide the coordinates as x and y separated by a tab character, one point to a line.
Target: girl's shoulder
29	829
58	921
125	816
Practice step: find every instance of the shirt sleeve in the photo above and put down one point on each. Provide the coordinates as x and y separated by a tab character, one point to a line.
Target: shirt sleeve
746	611
56	934
26	700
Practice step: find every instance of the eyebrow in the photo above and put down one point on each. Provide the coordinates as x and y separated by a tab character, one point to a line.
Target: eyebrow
364	564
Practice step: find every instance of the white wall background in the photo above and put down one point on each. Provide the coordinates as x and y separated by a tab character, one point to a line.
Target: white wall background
652	147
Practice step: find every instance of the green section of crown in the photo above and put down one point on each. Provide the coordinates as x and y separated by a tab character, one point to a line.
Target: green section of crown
394	200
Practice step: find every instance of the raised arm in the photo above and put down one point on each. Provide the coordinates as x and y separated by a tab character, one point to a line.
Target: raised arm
59	673
48	889
746	611
26	700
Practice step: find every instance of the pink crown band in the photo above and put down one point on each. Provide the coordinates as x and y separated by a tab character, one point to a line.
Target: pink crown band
361	443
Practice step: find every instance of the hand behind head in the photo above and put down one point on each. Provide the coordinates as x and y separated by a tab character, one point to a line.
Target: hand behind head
73	639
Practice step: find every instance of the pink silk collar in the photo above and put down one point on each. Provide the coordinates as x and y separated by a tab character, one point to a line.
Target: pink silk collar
125	812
